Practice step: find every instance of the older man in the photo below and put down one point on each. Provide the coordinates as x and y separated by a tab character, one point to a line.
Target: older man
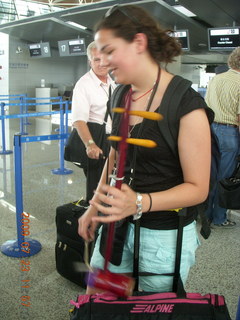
223	97
90	96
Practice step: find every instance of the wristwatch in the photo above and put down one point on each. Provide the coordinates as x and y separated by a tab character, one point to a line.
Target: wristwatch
89	142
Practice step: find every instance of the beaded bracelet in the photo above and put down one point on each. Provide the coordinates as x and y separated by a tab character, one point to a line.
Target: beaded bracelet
139	207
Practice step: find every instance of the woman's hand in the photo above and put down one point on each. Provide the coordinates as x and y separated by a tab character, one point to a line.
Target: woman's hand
120	203
86	226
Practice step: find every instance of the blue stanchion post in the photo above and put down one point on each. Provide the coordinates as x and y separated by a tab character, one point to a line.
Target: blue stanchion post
61	170
4	151
4	172
66	115
22	247
22	132
58	129
25	108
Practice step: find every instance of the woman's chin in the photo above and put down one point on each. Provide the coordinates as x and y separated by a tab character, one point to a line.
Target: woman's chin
119	80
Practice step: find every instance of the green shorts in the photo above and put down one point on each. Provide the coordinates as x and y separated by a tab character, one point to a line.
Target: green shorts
156	255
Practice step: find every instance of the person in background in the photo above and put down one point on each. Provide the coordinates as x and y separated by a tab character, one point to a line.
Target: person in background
221	69
89	103
134	47
223	97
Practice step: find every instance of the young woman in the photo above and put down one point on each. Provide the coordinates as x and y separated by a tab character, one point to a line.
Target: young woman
133	47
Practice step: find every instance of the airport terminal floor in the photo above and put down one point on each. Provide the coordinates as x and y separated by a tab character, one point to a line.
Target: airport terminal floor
217	261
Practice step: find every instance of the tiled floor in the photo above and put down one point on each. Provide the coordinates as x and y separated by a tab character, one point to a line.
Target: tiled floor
216	269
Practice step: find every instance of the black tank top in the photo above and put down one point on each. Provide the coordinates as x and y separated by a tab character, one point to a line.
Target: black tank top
157	169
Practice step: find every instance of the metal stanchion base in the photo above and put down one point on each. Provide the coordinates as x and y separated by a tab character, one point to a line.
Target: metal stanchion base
62	171
11	248
6	152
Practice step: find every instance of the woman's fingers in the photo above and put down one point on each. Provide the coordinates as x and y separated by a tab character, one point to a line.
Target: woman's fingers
86	228
114	203
82	230
91	230
107	219
110	209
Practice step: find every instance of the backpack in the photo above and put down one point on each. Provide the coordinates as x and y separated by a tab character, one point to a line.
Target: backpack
169	106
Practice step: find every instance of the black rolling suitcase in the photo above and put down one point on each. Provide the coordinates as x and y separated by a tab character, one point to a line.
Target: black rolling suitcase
70	247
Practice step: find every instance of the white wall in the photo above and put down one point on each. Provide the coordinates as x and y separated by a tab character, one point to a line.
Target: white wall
175	66
191	72
4	61
25	73
193	67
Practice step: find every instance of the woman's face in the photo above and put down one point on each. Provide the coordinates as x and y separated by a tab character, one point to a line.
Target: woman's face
118	55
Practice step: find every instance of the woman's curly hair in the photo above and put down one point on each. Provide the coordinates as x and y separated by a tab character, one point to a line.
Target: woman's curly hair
126	21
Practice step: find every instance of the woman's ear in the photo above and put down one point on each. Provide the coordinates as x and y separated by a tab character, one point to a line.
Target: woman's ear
141	42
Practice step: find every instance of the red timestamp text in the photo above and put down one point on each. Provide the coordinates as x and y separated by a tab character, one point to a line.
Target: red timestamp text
25	264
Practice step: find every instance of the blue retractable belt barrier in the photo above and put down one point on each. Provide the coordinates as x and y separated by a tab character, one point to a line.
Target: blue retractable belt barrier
63	126
24	246
22	120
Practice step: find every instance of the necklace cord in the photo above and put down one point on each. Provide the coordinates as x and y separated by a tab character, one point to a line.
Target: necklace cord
132	175
134	100
133	164
154	89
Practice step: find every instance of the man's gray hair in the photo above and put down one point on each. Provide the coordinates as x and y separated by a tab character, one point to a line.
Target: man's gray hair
90	47
234	59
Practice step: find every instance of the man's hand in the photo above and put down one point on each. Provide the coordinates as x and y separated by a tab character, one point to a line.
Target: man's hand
93	151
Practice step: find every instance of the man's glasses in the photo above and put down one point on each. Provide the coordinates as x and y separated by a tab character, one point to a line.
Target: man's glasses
124	11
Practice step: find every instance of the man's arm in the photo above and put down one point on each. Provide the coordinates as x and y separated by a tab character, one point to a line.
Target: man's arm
92	150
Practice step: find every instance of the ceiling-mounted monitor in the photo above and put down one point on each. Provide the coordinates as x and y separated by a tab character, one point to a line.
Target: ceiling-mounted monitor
183	37
74	47
40	50
223	39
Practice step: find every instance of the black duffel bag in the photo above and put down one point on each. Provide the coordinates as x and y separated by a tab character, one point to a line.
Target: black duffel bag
229	190
75	150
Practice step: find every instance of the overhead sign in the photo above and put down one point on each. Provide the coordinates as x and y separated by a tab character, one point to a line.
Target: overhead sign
75	47
183	37
223	38
40	50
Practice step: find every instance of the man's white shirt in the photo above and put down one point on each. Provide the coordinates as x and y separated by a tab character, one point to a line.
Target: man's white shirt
90	96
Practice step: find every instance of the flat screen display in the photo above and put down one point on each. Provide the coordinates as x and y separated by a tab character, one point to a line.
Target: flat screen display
183	38
75	47
225	39
40	50
35	50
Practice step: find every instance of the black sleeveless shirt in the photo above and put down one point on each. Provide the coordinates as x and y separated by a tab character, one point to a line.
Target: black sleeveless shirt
157	169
